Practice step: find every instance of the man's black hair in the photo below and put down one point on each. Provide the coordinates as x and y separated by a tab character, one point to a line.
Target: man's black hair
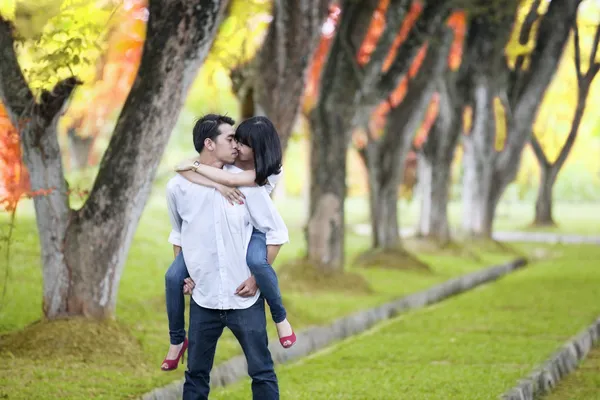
207	127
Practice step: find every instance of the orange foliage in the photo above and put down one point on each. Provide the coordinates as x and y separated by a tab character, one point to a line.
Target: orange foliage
374	32
407	25
14	179
430	116
456	21
318	61
116	73
376	29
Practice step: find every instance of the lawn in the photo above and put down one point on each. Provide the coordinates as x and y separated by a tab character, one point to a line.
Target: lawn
77	359
473	346
583	384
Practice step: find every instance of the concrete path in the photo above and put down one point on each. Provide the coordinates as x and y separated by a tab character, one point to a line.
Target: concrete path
537	237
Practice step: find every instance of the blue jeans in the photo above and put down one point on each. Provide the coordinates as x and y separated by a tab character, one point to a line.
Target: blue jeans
265	275
174	277
250	329
256	258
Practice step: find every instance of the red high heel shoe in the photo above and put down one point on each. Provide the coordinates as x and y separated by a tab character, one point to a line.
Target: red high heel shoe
288	341
172	364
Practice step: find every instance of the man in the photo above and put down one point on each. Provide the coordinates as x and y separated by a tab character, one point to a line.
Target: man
214	235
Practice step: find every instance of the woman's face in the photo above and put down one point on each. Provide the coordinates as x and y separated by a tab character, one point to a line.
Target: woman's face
245	152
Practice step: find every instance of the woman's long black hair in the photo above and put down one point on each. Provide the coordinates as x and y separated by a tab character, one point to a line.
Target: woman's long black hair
261	136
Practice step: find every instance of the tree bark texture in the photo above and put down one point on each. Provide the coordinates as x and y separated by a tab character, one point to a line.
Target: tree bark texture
435	160
348	93
385	157
273	83
488	171
549	170
83	251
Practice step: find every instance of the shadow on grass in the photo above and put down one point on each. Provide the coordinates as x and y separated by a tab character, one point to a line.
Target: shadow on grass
396	258
75	339
304	276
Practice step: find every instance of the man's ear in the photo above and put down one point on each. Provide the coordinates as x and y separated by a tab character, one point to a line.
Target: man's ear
209	144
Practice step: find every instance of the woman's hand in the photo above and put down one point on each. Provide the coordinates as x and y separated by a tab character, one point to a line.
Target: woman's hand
185	166
233	195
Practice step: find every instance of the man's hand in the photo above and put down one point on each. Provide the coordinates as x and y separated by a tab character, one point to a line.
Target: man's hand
248	288
188	285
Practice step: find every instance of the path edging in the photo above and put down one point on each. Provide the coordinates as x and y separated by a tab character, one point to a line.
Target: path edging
544	378
316	338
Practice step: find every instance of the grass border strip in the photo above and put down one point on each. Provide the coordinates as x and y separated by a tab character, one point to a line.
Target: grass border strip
544	378
319	337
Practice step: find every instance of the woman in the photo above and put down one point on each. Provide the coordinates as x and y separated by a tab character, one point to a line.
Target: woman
259	156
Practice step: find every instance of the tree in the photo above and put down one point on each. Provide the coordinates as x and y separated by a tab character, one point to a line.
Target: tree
272	83
83	251
114	74
436	151
14	178
505	100
348	94
550	169
436	155
385	156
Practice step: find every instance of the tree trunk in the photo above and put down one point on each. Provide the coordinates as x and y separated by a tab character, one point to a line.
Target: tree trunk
480	184
41	153
385	158
549	171
274	81
489	170
383	196
330	135
348	93
543	204
81	147
434	180
325	226
84	251
435	162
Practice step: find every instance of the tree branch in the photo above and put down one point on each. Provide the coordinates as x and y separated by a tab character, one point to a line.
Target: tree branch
594	66
524	35
566	149
14	90
433	17
584	89
539	152
51	103
354	25
578	55
551	38
394	19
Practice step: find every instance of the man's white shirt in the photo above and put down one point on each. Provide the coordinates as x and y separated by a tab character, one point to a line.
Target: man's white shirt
214	237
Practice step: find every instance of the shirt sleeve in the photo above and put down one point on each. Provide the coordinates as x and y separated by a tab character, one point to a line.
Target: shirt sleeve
264	216
176	221
274	179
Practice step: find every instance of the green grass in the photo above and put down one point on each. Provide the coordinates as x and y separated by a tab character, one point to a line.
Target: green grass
474	346
570	218
77	359
583	383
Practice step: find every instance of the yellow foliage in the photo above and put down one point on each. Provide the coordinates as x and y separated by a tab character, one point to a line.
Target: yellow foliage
31	16
514	49
467	119
500	119
556	112
7	9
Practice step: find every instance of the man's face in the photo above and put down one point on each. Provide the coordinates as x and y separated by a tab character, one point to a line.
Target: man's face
226	148
245	153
